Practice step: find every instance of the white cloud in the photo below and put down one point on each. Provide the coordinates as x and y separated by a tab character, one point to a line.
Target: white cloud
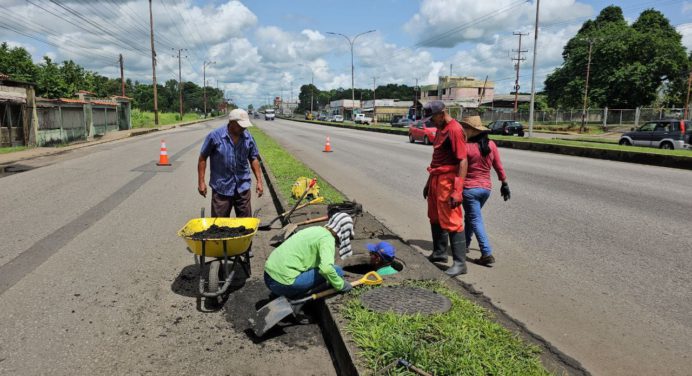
686	31
446	23
686	7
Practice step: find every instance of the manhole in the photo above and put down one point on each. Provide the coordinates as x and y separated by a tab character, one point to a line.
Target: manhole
405	300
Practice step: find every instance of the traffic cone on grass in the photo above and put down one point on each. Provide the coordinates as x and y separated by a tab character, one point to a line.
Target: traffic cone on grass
327	146
163	156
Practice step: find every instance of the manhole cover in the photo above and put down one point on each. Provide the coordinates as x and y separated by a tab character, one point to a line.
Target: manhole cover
405	300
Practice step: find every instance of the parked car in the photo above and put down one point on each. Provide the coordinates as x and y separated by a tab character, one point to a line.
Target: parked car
269	114
362	119
338	119
421	131
403	123
395	119
664	134
506	127
322	117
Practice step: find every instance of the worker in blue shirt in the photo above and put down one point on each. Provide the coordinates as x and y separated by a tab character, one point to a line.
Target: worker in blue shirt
232	153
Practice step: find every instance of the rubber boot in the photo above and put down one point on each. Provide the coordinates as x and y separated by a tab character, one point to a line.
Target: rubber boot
439	253
458	242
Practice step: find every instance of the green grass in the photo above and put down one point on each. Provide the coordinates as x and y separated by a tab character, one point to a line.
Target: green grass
286	168
462	341
12	149
596	145
599	140
142	119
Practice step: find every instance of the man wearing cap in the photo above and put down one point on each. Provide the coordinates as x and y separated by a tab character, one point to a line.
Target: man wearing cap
445	187
382	257
232	153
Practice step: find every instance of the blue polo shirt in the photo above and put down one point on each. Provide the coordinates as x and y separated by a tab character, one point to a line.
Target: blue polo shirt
229	163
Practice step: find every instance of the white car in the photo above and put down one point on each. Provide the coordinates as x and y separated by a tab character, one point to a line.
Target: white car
362	119
338	119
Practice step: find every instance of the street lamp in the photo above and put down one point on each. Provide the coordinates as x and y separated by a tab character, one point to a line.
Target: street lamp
350	42
204	89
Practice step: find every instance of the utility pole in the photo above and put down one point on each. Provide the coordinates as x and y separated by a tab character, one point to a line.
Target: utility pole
586	89
450	70
153	65
415	99
204	89
687	101
122	76
533	70
374	101
180	83
518	60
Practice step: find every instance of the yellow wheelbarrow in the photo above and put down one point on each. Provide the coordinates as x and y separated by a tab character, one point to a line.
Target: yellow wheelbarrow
226	252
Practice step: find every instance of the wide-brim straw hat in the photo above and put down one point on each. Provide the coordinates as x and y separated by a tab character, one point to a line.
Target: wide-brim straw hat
473	125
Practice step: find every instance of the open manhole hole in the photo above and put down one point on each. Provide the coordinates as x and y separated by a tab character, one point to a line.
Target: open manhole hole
360	264
405	300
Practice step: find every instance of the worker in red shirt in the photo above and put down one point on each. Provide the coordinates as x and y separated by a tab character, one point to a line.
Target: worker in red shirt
445	187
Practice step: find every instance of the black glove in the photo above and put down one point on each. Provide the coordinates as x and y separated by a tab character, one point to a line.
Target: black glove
425	192
347	287
504	191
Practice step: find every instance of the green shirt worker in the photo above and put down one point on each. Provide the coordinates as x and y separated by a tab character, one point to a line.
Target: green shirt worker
382	257
306	259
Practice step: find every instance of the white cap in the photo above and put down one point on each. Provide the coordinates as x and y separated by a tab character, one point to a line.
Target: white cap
241	117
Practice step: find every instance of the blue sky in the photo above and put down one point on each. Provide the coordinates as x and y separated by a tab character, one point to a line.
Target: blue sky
263	48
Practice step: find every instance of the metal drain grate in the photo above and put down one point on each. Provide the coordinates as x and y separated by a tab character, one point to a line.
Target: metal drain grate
405	300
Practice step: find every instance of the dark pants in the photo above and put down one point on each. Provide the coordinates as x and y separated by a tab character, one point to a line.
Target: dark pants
221	205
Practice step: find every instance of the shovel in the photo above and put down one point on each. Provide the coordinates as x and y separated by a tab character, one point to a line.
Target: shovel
292	227
267	226
280	308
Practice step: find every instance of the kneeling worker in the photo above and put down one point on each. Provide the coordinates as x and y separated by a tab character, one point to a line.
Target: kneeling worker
306	259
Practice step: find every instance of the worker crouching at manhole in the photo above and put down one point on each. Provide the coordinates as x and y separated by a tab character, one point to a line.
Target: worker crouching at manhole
445	187
305	261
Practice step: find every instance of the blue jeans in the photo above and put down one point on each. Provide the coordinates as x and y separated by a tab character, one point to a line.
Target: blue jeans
304	282
474	199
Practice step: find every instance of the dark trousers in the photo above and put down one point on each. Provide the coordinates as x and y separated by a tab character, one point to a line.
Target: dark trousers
221	205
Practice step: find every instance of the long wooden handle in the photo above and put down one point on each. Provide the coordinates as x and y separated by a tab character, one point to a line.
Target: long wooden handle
309	221
371	278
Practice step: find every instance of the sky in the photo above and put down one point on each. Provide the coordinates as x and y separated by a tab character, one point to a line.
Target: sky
259	49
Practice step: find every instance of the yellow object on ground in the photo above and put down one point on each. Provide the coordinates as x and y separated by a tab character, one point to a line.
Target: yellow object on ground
214	248
299	187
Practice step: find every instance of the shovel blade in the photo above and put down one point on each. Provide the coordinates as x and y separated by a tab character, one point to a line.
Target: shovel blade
270	315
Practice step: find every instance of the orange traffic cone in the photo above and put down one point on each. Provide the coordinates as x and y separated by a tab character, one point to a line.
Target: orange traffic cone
163	156
327	146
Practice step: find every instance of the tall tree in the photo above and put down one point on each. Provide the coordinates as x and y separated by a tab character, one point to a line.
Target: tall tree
629	64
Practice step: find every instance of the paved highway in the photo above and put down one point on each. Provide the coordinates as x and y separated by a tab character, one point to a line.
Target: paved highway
593	255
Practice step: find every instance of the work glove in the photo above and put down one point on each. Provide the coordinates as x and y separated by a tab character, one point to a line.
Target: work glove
347	287
425	192
504	191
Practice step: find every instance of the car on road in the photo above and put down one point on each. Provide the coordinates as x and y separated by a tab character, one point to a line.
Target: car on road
395	119
422	131
403	123
362	119
322	117
269	114
506	127
664	134
337	119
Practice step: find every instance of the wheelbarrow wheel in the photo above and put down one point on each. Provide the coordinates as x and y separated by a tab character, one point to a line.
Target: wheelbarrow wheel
214	276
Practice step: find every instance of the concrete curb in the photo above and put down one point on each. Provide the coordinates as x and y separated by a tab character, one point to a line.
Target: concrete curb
672	161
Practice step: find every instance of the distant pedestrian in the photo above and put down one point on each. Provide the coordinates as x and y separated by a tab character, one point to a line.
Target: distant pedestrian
445	187
482	155
232	152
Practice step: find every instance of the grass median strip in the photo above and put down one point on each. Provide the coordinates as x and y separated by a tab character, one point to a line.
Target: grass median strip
462	341
596	145
12	149
286	168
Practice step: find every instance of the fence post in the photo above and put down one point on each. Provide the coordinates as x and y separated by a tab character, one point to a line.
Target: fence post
605	119
637	113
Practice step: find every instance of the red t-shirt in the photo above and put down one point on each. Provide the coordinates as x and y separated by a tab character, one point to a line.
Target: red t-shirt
478	174
449	146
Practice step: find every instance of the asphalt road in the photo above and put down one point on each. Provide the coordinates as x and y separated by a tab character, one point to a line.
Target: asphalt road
94	280
592	255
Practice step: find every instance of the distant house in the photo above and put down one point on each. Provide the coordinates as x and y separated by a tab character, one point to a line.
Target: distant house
344	107
466	92
385	109
17	105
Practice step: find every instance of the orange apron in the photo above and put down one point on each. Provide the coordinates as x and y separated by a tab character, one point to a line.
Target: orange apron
440	188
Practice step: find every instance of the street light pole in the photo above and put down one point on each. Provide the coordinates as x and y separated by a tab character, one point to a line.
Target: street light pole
204	89
351	41
533	71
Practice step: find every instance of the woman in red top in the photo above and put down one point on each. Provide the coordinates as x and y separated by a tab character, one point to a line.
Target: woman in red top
482	155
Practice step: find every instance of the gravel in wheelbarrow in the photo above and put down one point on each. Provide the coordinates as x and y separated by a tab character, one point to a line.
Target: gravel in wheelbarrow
221	232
